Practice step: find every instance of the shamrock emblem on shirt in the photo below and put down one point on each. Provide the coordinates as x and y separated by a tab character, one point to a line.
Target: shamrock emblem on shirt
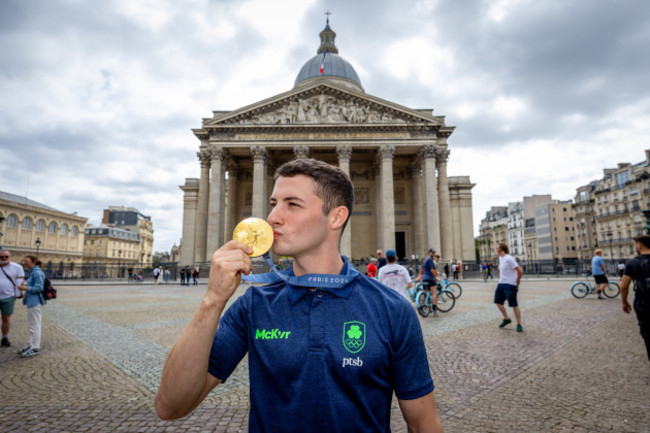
354	336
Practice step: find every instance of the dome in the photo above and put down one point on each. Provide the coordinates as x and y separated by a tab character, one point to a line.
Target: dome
328	63
333	66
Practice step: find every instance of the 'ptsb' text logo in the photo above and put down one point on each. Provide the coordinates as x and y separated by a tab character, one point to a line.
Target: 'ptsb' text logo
351	362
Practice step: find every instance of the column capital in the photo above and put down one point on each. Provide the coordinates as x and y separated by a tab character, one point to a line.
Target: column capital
204	156
301	152
260	154
344	152
443	155
218	156
386	151
428	151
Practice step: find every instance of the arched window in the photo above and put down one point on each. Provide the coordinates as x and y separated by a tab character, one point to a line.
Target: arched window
74	230
11	221
40	226
52	227
27	223
64	229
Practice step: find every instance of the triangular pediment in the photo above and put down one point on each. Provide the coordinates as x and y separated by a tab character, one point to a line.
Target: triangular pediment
322	104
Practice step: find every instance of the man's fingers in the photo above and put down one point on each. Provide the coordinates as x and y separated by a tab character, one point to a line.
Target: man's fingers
236	245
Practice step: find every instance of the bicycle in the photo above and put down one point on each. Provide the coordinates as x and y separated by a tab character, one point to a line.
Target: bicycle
452	286
424	300
580	289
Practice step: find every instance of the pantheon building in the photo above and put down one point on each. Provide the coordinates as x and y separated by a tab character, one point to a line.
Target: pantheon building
396	157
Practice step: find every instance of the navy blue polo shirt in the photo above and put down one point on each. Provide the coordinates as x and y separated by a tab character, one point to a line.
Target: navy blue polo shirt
323	360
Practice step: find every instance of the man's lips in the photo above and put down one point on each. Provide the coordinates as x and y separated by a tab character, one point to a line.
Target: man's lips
276	234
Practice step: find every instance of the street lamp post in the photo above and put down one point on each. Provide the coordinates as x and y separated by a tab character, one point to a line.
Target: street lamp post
119	263
38	245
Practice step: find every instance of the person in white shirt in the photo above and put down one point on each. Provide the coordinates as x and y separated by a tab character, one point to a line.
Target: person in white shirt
394	275
509	277
12	275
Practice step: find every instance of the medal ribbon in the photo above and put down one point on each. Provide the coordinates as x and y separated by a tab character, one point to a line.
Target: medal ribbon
327	281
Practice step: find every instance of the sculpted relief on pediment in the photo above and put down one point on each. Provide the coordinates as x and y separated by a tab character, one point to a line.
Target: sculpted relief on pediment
323	109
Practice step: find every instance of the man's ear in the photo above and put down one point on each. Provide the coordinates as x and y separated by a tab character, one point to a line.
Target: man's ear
338	216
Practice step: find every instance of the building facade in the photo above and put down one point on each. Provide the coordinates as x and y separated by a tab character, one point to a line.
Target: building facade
110	251
609	210
131	219
493	231
56	237
396	157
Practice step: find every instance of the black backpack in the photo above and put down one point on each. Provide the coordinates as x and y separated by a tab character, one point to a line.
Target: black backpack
49	292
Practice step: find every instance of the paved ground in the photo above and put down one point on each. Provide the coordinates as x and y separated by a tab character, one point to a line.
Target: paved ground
580	365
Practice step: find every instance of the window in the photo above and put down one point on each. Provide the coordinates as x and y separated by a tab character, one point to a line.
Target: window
64	229
27	223
11	221
74	230
40	226
622	177
634	190
52	227
584	196
92	242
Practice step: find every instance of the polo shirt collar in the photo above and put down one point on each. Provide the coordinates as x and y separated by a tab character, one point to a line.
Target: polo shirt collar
295	293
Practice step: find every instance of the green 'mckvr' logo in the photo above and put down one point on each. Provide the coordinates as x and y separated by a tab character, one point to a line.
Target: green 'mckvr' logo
271	334
354	336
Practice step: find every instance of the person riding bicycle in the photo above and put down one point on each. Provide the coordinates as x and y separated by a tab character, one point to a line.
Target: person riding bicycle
429	274
599	272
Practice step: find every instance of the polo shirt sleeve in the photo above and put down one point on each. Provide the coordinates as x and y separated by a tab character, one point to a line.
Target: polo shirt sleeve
230	343
412	378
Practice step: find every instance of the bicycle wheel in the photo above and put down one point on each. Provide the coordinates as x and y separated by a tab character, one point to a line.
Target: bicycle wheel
421	303
455	289
446	301
579	289
612	289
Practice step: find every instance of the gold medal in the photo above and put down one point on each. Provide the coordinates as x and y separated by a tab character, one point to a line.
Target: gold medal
256	233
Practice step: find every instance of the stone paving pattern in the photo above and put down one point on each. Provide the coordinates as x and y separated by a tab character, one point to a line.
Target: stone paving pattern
579	365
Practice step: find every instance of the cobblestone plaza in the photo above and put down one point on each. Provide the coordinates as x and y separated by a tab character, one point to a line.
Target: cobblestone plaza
579	365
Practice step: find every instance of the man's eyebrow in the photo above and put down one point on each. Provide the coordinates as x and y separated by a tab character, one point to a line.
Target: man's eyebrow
290	198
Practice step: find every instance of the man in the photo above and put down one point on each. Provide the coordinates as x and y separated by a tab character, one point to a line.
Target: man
303	375
509	277
638	270
394	275
599	272
429	274
33	300
156	274
11	276
381	260
371	269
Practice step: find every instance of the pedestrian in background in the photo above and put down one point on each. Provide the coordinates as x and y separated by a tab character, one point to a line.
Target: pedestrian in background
621	269
599	272
195	275
371	270
33	300
381	260
11	277
638	270
394	275
509	277
156	275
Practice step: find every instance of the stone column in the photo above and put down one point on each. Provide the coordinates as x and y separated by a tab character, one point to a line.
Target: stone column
301	152
418	215
231	203
215	222
260	159
386	153
446	230
190	199
201	229
344	153
379	239
431	198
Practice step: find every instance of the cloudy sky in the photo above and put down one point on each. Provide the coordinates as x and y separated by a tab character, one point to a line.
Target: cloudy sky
98	98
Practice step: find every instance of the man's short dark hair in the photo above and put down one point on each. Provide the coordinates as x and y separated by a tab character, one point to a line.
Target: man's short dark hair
643	240
503	247
333	186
